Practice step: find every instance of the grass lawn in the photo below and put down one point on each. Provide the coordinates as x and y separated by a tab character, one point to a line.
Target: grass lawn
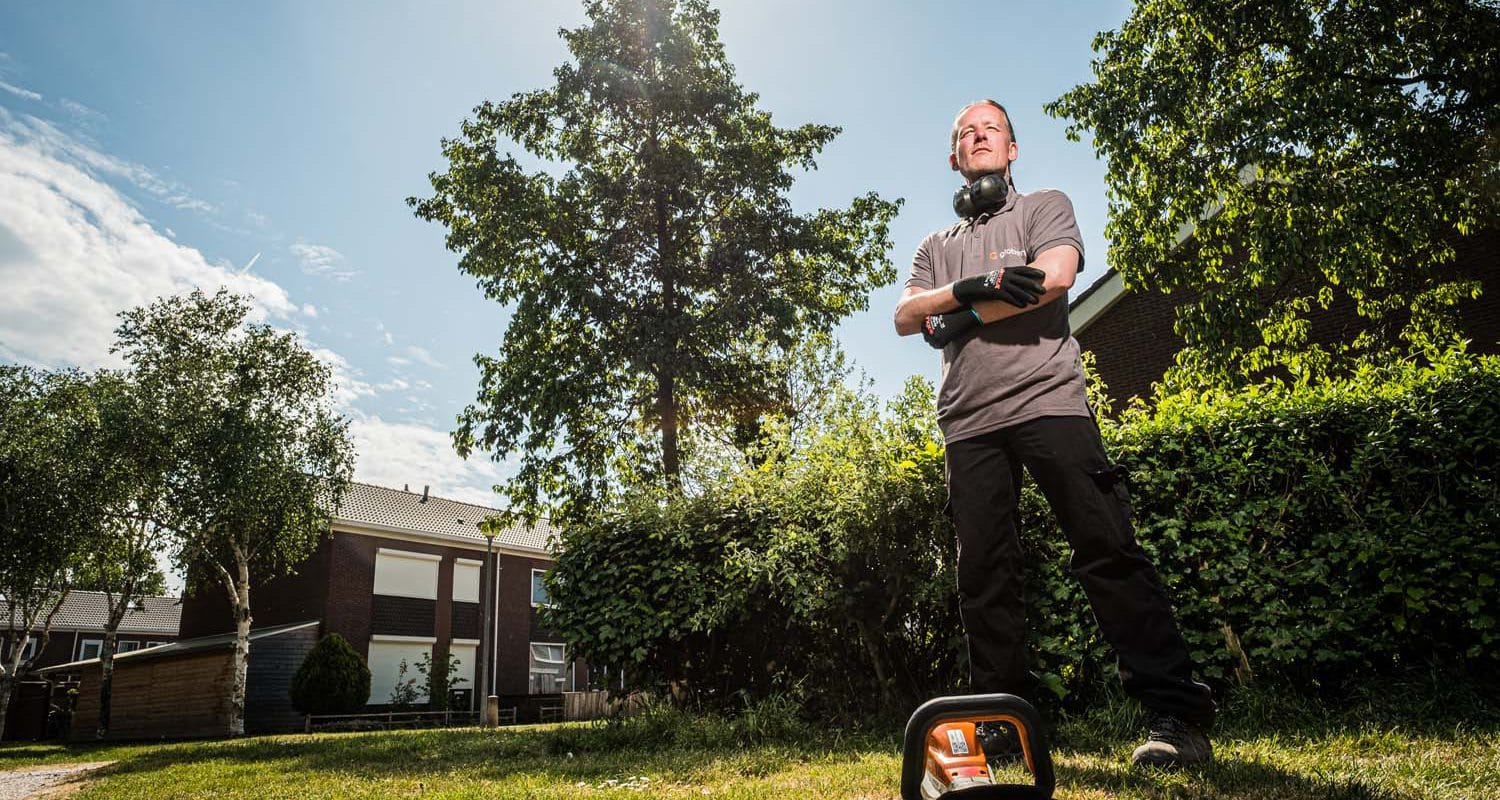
1312	752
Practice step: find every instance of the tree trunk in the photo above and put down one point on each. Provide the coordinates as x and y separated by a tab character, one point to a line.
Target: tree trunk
666	382
106	678
667	401
239	591
6	686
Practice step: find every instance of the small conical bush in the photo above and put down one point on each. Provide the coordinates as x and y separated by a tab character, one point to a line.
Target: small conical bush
333	679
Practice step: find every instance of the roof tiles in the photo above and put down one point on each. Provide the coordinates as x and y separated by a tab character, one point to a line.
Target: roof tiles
368	504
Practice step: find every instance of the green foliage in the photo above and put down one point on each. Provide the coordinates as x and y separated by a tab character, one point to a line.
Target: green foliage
823	573
261	457
1317	151
1334	530
404	693
49	511
439	677
657	283
1312	535
333	679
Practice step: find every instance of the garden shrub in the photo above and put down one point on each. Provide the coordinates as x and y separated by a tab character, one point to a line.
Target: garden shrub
333	679
1312	534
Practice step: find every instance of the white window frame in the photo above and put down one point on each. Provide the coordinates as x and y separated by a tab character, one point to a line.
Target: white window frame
377	684
28	652
395	588
83	645
478	567
565	667
547	603
121	646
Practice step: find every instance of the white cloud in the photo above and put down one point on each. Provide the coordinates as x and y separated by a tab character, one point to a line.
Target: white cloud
323	261
310	310
74	252
54	144
401	453
19	91
421	356
348	387
82	114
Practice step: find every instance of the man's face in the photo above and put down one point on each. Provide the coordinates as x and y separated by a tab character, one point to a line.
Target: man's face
984	143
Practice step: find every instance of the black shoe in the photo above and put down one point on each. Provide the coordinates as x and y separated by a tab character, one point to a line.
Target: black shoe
1001	745
1172	743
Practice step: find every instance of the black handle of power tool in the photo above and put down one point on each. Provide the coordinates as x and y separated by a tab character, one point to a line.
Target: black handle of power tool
977	706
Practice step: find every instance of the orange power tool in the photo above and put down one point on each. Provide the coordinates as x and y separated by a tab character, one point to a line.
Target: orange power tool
942	756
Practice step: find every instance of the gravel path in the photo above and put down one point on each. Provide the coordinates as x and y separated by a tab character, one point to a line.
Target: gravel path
19	784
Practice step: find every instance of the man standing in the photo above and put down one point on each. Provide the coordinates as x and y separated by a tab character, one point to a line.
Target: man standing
991	292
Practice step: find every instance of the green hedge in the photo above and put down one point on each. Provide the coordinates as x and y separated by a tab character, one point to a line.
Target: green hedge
1307	535
1334	529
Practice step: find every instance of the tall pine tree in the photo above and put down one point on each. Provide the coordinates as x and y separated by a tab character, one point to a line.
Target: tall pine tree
657	272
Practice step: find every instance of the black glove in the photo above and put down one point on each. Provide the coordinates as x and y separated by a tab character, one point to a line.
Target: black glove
939	330
1019	286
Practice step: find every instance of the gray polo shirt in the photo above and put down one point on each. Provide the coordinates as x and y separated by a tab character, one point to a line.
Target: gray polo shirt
1022	367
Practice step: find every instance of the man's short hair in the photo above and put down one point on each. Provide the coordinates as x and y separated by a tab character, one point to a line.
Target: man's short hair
953	136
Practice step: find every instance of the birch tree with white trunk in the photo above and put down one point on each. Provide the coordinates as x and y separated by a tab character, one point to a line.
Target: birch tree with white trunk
260	457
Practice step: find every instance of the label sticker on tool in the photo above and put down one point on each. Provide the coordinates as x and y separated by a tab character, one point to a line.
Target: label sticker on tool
957	742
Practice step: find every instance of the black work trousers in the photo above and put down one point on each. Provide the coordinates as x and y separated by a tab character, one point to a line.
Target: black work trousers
1065	456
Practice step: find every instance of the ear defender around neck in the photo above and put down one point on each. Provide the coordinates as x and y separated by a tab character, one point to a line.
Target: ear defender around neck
981	197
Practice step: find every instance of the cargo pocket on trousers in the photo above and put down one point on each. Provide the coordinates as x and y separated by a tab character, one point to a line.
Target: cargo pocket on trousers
1111	480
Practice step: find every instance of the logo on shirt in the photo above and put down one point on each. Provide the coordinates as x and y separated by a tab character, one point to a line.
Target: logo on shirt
1009	251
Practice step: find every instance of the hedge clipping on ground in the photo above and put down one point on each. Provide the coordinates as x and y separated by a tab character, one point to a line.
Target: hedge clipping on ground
333	679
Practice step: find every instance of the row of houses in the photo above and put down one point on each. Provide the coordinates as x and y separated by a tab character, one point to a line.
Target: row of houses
401	576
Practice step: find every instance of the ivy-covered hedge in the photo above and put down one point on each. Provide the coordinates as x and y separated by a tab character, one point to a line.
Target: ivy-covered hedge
1309	535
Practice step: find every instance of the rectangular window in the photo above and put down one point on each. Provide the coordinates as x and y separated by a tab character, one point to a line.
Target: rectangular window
129	646
466	651
539	589
466	581
403	573
89	648
549	668
386	655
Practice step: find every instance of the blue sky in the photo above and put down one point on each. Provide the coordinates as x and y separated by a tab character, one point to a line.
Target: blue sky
147	148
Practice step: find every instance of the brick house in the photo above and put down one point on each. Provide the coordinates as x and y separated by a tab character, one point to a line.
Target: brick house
403	574
1131	336
78	627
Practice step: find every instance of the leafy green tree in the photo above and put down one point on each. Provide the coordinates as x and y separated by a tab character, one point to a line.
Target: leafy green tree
48	507
654	281
132	458
333	679
1315	151
260	458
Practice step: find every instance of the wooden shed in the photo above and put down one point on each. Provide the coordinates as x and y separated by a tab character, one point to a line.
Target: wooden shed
181	690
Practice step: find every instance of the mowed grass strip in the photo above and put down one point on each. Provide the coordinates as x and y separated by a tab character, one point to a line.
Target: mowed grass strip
1428	739
526	763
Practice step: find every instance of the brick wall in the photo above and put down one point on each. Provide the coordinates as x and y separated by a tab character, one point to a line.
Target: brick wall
403	616
346	603
297	597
